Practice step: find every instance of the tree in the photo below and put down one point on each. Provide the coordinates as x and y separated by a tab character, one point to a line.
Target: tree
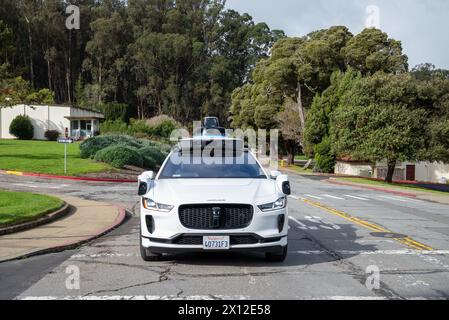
318	118
371	51
297	70
380	119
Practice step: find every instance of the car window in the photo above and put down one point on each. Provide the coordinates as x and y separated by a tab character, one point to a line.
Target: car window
189	167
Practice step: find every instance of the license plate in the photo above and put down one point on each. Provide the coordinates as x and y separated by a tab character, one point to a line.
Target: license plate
216	242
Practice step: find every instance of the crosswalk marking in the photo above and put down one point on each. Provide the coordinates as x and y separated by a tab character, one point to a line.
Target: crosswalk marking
361	197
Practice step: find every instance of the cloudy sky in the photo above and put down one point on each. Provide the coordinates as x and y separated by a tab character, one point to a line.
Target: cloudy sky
421	25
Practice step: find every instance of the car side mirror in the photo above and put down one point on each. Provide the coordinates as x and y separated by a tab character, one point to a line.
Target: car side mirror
143	188
275	174
283	184
144	181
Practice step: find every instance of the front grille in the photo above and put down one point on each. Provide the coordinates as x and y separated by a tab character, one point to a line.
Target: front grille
198	240
216	217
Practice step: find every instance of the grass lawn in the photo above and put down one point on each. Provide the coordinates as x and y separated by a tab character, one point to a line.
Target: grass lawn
45	157
302	157
384	184
18	207
299	169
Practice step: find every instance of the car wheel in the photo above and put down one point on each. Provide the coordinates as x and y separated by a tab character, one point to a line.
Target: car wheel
279	256
147	255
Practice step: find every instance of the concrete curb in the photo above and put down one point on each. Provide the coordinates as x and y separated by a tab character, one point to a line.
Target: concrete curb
47	218
75	244
400	193
56	177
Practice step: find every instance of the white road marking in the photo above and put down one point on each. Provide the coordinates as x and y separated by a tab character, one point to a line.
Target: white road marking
104	255
301	225
142	297
315	197
321	223
209	297
378	252
354	197
294	197
333	197
393	198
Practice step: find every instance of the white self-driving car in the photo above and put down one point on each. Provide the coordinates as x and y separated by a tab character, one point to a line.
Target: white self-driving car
213	199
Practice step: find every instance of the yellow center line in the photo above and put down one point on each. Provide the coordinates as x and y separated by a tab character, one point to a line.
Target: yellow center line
16	173
368	225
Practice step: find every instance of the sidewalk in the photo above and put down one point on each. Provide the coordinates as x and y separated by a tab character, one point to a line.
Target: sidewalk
87	220
422	195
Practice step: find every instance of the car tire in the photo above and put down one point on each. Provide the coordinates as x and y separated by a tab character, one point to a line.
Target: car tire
147	255
279	256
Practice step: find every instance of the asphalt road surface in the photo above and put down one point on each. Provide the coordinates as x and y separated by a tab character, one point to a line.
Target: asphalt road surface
344	243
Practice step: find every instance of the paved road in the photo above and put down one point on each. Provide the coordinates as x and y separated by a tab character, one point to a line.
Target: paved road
339	238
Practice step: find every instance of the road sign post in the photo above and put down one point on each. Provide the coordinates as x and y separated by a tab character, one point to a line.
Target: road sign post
65	142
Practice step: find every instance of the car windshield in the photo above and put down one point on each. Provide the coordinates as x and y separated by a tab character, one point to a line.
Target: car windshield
211	122
243	166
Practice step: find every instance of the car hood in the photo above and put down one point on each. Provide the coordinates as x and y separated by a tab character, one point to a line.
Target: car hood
191	191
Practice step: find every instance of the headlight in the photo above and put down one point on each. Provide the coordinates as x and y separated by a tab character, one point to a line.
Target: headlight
281	203
151	205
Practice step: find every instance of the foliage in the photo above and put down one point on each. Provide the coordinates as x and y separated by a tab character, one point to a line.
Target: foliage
114	127
114	111
120	155
325	160
92	145
52	135
182	58
380	118
22	128
151	153
16	90
318	119
372	51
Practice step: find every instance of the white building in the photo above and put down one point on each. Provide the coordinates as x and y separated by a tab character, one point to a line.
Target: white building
69	121
433	172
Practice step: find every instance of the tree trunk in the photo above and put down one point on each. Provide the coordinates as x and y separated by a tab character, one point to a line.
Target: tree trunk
390	172
69	69
301	112
30	43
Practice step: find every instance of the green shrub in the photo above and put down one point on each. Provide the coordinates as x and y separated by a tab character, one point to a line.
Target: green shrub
22	128
91	146
155	154
114	127
120	155
149	163
52	135
162	126
138	127
325	160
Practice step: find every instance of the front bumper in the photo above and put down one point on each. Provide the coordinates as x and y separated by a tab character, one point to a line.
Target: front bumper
166	233
168	246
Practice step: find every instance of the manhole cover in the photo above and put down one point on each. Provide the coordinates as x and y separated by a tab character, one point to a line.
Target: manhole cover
388	235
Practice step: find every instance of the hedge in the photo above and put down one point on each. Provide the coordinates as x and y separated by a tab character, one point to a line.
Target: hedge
120	155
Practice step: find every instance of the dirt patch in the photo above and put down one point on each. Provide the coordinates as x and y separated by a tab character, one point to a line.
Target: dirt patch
127	173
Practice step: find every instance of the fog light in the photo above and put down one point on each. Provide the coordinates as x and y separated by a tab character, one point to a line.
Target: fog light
150	223
281	222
